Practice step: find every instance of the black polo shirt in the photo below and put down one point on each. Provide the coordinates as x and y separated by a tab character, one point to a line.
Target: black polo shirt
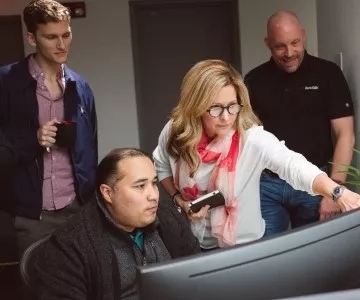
297	107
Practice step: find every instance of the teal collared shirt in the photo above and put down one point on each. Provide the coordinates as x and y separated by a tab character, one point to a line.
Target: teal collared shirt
138	237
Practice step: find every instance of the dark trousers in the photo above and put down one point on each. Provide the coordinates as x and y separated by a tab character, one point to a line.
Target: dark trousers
7	238
28	231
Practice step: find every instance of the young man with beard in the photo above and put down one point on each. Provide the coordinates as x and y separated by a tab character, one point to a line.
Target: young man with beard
49	182
303	100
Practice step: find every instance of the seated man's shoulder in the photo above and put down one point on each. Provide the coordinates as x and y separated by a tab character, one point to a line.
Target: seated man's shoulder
167	210
170	220
67	241
174	229
79	225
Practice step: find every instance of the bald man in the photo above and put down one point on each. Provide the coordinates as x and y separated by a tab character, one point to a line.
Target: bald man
301	99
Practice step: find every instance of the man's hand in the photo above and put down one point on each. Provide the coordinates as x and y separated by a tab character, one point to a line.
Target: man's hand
328	208
47	133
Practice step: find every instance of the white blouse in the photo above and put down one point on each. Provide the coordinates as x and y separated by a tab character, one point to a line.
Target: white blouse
260	150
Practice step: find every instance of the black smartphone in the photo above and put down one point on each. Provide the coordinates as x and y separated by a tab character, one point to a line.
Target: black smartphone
214	199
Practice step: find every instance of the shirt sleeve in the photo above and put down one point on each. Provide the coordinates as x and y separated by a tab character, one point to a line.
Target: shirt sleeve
338	94
161	156
289	165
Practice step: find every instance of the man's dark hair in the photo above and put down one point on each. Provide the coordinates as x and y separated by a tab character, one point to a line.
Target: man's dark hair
42	12
108	172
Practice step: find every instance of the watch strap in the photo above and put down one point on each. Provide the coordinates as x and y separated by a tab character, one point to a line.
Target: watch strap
173	198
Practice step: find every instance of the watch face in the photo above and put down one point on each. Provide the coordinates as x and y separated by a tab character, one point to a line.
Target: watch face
337	190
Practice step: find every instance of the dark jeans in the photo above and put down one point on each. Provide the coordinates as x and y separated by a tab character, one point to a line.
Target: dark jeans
282	205
28	231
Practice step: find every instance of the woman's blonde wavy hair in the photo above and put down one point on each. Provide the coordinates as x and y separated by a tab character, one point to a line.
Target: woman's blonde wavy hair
199	89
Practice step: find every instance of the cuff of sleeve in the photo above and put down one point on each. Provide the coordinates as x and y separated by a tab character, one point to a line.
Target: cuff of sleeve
319	172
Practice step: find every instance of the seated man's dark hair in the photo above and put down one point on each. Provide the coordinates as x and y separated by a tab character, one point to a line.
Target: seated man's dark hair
107	171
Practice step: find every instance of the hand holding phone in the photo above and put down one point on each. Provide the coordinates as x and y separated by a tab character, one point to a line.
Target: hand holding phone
213	199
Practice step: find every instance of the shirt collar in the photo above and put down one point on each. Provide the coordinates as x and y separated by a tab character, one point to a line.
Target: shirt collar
37	73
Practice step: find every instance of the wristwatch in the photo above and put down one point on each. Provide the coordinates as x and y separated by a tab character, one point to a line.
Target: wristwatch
173	197
337	192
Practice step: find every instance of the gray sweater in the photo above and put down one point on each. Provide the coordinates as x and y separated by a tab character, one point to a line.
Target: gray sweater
91	259
129	255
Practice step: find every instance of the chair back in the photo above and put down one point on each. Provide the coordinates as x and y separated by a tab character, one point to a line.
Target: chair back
26	260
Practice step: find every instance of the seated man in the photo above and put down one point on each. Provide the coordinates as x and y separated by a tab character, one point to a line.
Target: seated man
94	256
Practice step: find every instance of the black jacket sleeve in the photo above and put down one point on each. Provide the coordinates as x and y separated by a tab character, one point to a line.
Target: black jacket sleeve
7	154
175	231
23	141
93	119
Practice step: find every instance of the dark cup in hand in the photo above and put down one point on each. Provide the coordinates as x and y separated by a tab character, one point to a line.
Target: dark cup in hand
66	133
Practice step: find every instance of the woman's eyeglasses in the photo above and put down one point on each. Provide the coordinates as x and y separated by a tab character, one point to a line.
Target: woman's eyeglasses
217	110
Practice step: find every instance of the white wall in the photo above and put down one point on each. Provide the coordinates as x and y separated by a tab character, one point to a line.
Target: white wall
101	52
338	31
253	18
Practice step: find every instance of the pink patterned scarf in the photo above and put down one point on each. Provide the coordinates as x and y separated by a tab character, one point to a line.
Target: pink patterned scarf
224	153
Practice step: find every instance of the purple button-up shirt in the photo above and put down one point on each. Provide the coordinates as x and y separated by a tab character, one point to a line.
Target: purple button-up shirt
58	181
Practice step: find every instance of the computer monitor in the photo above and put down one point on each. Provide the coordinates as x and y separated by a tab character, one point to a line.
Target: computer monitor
323	257
343	295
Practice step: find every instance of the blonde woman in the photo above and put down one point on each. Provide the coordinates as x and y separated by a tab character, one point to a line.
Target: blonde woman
215	141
